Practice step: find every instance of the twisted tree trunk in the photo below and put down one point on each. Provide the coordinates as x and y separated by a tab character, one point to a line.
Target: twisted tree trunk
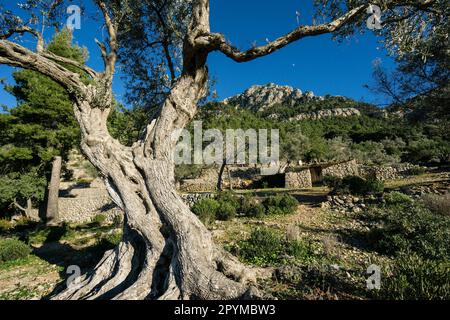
166	251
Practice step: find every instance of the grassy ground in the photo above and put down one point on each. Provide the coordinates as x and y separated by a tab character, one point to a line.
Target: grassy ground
53	250
338	248
423	179
337	256
332	263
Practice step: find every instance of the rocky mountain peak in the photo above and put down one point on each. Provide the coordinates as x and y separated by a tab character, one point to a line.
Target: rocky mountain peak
260	97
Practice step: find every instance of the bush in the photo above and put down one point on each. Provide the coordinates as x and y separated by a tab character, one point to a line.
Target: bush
5	225
13	249
226	211
206	210
397	198
280	204
229	204
358	186
438	204
414	278
268	247
228	197
250	207
264	247
288	203
373	186
299	250
224	208
99	219
412	228
331	181
257	211
416	171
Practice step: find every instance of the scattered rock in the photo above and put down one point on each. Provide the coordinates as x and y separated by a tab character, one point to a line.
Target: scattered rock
191	198
291	273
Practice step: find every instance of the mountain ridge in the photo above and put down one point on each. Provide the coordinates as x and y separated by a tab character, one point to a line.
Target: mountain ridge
292	104
261	97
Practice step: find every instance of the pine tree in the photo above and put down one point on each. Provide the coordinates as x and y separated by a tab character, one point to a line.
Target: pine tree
41	127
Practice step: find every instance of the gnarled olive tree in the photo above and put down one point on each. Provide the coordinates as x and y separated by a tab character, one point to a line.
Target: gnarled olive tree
166	252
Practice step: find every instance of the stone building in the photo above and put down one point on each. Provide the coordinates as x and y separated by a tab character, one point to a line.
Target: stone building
298	177
294	177
310	175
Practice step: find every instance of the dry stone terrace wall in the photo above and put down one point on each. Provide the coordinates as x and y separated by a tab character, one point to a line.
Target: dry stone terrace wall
383	173
341	170
191	198
296	177
81	202
298	180
303	179
206	182
241	178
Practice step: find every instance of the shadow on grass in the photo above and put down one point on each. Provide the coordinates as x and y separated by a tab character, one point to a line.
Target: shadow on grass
313	200
318	281
355	238
351	237
65	255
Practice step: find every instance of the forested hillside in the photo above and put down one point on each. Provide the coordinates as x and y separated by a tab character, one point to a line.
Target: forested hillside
376	136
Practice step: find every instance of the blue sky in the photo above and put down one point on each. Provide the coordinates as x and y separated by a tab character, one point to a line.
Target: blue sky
316	64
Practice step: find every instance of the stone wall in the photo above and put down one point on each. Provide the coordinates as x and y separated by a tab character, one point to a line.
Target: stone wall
379	173
341	170
383	173
302	179
81	202
206	182
298	180
191	198
241	178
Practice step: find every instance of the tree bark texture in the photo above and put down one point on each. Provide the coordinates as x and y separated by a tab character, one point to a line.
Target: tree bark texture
52	213
166	251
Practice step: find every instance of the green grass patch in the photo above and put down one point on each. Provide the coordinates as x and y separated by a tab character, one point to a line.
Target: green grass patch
13	249
268	247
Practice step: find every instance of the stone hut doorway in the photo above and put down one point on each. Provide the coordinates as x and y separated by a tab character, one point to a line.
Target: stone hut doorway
316	175
273	181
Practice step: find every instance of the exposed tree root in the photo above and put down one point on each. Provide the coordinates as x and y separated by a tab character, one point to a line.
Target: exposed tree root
123	275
